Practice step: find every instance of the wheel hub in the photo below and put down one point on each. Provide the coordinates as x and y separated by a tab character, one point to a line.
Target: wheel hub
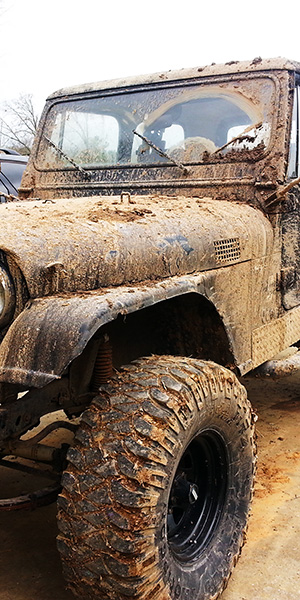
184	492
197	496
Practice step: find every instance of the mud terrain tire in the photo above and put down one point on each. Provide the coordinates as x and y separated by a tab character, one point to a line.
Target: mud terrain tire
157	492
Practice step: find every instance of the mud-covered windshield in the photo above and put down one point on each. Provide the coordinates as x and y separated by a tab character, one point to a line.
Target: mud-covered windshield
189	123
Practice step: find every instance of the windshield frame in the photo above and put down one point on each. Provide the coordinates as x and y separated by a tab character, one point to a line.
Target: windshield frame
214	158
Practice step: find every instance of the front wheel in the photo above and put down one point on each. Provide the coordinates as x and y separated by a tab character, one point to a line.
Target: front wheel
157	492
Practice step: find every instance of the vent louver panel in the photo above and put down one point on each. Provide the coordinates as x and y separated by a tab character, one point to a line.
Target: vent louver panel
227	250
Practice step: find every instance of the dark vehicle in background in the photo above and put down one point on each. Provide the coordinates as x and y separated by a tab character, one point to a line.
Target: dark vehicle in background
12	166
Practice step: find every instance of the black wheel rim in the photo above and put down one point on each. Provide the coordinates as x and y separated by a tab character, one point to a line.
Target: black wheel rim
197	496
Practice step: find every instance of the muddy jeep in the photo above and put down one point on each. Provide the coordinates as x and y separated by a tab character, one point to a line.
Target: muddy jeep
152	260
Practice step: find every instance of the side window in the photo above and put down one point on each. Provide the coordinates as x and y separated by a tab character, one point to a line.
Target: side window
294	156
173	136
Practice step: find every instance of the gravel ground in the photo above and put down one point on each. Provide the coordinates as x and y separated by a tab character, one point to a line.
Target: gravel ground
269	568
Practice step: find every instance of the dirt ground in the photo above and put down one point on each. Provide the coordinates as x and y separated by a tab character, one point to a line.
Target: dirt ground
269	568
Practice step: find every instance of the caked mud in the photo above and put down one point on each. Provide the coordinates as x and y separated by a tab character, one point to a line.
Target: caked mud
151	261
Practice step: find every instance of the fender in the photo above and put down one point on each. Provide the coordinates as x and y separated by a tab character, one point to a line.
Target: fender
51	332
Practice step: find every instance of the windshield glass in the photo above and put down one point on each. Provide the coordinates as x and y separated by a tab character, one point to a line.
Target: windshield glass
189	123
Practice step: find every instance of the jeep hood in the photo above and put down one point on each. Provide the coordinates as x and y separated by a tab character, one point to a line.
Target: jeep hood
88	243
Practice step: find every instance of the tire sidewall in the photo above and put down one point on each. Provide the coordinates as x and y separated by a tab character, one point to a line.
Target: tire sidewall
202	576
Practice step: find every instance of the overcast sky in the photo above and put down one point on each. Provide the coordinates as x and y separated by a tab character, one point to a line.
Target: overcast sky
46	45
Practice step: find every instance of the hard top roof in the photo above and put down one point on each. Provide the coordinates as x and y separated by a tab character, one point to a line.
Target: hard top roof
257	64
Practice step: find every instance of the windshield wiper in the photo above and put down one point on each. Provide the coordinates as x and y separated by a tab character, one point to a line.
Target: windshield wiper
161	152
70	160
241	137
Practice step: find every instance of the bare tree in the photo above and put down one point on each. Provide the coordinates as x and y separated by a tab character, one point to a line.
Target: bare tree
19	123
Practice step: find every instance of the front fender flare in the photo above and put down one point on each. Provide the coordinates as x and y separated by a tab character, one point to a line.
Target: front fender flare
51	332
